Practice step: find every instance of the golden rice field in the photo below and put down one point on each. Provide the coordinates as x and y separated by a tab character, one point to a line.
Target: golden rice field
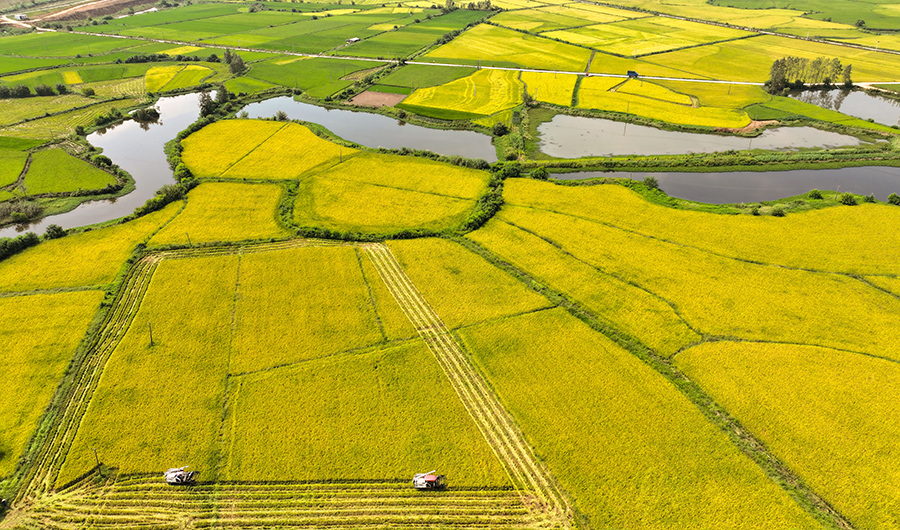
461	287
719	94
646	35
547	18
337	315
637	87
504	47
204	153
550	88
628	448
224	211
370	403
485	92
858	240
141	417
830	415
888	283
39	333
350	206
617	303
16	110
289	153
594	93
722	296
63	262
157	77
604	63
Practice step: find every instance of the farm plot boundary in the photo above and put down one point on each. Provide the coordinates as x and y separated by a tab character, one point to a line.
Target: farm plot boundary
142	499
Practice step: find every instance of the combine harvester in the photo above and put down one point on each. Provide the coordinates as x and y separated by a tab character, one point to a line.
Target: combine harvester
177	476
429	481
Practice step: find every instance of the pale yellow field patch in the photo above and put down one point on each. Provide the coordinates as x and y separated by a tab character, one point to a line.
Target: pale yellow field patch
181	50
71	78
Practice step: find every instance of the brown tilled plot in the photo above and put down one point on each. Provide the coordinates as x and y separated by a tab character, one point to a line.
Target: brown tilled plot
371	98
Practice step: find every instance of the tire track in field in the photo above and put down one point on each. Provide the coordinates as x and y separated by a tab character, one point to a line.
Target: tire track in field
494	422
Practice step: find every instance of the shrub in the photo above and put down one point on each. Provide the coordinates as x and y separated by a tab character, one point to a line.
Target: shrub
894	199
848	199
20	91
754	210
777	211
101	160
651	182
54	232
540	173
88	91
815	194
62	88
869	198
500	129
44	90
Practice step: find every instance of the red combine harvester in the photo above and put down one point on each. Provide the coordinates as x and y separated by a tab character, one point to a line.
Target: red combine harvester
429	481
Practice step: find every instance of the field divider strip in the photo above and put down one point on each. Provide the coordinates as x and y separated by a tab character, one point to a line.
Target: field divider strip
496	424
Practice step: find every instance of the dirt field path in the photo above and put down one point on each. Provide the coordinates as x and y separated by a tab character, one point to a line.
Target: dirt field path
492	419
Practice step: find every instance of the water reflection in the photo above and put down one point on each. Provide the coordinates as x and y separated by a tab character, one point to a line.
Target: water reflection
575	136
752	186
857	103
136	148
375	130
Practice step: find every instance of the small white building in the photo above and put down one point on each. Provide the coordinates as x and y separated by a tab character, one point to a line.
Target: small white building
20	16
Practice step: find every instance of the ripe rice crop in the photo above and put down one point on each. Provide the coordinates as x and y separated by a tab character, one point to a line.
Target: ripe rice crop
292	151
543	19
204	153
493	46
730	297
410	173
393	321
552	88
483	93
12	162
55	171
190	75
755	55
224	211
383	414
651	90
158	76
616	302
142	416
340	317
594	94
719	94
891	284
39	333
829	415
604	63
124	87
77	260
461	287
858	240
591	409
71	78
351	206
646	35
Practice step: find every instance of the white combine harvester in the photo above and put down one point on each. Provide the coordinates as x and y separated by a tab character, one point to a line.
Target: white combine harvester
429	481
177	476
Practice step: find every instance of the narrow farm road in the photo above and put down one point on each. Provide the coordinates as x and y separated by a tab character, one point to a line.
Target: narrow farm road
495	423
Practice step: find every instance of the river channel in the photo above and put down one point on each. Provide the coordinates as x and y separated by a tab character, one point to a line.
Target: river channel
138	151
375	130
857	103
752	186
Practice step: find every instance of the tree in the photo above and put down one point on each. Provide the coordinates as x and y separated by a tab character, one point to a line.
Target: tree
777	77
500	129
848	199
54	232
894	199
848	82
236	65
860	23
222	95
226	57
62	88
540	173
207	105
651	182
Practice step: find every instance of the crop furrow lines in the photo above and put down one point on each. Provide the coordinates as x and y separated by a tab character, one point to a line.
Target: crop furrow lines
495	423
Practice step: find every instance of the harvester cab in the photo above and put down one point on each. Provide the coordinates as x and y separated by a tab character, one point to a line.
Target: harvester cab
177	476
429	481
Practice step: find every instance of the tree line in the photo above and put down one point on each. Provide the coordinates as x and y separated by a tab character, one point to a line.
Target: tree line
796	72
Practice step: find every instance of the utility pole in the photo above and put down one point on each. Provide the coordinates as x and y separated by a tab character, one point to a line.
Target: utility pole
189	239
150	325
99	469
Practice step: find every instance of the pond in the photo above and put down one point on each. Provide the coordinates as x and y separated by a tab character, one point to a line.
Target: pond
858	103
752	186
138	150
576	136
375	130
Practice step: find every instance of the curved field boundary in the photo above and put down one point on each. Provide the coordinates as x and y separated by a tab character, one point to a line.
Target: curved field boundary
145	501
537	487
